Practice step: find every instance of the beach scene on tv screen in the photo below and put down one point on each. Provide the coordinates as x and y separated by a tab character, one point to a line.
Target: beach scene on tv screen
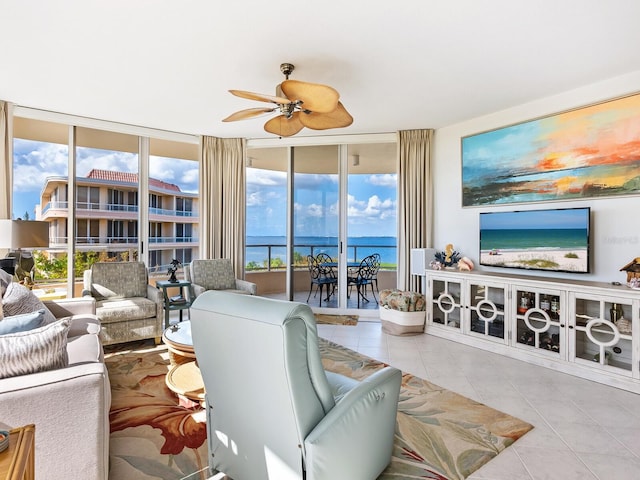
556	240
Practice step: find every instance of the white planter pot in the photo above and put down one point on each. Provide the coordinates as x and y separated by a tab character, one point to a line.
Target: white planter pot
396	322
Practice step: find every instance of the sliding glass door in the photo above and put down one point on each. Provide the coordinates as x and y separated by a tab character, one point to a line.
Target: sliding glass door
333	203
371	248
315	216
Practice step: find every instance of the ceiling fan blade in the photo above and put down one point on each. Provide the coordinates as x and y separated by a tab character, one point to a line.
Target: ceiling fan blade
248	113
322	121
315	97
260	97
283	126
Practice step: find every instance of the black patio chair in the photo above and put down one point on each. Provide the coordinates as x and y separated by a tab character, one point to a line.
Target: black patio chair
364	276
321	276
376	261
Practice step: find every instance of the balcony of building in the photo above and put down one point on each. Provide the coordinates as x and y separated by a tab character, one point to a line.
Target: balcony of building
119	243
116	212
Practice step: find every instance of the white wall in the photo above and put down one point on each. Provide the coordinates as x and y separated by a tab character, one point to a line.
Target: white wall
615	227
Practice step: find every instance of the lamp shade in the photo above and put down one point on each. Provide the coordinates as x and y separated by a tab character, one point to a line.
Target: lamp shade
16	234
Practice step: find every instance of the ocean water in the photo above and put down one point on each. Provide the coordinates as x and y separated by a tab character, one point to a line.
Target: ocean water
528	239
257	249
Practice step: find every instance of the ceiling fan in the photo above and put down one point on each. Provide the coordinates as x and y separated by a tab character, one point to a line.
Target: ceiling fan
300	104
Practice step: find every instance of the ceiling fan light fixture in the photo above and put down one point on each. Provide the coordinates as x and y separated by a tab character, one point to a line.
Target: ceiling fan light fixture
288	109
301	104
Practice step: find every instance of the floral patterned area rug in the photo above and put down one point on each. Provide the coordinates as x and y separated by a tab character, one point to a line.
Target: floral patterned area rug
152	436
327	319
439	434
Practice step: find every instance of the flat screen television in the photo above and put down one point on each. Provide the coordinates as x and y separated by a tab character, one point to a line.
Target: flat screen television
554	239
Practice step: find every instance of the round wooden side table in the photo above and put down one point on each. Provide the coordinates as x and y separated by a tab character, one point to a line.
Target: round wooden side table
178	340
186	381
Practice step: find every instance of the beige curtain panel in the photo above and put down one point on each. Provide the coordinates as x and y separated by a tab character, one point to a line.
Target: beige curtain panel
222	200
415	201
6	158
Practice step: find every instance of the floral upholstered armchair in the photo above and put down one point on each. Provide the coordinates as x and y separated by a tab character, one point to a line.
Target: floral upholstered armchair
127	306
216	274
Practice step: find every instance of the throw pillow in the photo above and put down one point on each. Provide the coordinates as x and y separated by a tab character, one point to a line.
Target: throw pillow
21	323
5	280
37	350
18	299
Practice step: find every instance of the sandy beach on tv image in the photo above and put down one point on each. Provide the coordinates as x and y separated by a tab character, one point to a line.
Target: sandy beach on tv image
568	259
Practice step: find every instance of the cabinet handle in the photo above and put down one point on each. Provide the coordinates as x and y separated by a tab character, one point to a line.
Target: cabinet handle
562	325
571	327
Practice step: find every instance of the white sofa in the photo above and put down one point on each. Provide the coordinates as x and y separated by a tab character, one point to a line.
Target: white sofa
69	406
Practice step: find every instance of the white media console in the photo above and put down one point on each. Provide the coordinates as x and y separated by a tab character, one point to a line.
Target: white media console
587	329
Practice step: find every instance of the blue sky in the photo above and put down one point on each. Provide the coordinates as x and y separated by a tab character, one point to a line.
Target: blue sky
371	202
35	161
535	219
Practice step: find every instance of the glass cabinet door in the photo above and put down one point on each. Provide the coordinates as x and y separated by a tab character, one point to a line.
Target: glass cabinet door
539	320
602	332
486	311
445	304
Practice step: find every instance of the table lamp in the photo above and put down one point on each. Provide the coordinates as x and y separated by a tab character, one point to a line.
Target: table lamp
17	235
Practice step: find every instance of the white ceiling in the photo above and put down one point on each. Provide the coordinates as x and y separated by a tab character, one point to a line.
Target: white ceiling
399	65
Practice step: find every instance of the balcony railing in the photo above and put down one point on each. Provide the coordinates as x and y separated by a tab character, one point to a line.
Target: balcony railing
116	207
173	213
104	240
274	255
189	239
90	240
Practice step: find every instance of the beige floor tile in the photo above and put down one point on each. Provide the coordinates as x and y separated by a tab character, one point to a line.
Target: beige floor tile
583	430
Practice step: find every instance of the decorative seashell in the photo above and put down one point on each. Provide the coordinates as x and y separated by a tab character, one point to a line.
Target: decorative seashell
435	265
624	325
465	264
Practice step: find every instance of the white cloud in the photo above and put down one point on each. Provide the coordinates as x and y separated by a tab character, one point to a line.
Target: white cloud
266	177
373	208
306	181
386	180
91	158
315	210
261	197
184	173
190	180
35	161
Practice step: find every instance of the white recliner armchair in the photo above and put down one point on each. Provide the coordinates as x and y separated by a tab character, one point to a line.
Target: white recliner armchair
272	410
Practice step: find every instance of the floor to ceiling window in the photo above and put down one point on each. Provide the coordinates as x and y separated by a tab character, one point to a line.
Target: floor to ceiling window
106	167
372	224
342	204
266	218
36	159
316	223
109	188
173	204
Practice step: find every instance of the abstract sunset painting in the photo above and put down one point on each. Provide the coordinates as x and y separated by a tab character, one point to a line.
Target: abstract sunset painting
588	152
